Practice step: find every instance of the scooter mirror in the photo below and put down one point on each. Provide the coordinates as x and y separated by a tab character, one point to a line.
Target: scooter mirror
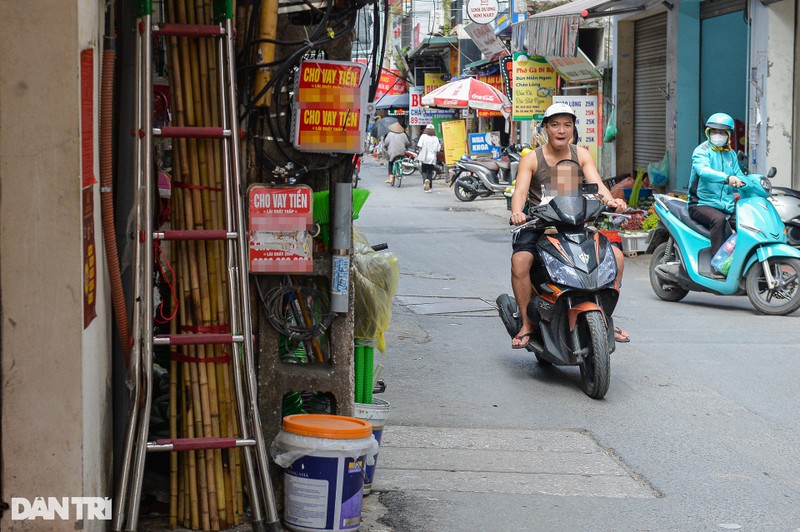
771	172
589	188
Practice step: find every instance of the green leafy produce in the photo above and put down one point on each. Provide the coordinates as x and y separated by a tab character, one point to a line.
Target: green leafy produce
633	201
650	222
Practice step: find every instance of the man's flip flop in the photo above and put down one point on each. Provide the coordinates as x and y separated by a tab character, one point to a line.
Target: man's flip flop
522	337
621	336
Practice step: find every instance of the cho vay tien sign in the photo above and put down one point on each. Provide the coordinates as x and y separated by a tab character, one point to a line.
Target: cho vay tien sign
279	237
328	100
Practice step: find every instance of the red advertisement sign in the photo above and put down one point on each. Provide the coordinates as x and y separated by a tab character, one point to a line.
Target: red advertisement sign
89	257
496	81
87	118
280	219
328	107
390	82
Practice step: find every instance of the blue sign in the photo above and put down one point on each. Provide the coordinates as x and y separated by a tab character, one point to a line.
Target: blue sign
485	143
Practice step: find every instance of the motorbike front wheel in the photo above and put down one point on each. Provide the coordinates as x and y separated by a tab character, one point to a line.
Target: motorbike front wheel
463	194
784	298
664	291
596	365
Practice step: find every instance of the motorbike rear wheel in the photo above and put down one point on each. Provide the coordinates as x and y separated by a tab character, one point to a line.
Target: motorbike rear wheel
463	194
667	293
782	300
408	166
596	365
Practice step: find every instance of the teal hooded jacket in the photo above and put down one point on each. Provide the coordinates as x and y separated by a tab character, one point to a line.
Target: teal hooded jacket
708	182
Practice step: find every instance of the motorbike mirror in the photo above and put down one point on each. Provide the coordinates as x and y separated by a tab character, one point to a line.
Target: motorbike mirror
771	172
589	188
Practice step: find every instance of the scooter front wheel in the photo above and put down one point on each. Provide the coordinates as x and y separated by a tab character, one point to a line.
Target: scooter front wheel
782	299
596	365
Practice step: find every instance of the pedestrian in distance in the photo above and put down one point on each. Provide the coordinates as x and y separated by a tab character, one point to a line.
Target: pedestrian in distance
395	144
429	147
715	175
553	165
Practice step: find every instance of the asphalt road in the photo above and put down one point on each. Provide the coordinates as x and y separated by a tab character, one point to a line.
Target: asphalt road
699	430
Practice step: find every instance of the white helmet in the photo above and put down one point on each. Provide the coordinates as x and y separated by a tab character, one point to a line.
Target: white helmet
558	109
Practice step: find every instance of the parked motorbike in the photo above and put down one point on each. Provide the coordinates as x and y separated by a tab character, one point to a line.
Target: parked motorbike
411	164
575	291
763	266
356	170
787	202
474	178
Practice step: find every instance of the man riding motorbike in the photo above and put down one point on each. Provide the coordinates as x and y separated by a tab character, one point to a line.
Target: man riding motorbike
715	174
535	170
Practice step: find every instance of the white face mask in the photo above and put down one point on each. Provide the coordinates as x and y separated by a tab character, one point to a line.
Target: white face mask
718	140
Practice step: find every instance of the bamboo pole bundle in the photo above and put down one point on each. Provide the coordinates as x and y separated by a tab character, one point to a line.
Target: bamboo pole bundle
206	486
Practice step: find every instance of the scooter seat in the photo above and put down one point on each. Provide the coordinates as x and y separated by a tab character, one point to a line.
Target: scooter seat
786	192
681	210
491	165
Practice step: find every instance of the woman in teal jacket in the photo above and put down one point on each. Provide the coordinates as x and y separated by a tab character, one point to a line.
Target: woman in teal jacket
715	174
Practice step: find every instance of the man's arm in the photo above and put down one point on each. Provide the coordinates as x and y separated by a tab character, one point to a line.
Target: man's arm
527	167
701	164
593	176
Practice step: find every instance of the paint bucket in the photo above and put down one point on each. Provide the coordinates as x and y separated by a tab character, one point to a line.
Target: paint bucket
376	414
323	457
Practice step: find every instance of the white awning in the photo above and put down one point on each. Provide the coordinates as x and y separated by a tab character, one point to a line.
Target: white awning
601	8
555	32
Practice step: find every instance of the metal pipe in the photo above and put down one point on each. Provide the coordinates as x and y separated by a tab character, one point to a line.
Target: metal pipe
146	296
342	221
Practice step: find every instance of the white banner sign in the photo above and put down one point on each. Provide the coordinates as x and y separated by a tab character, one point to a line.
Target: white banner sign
484	38
416	112
578	68
586	120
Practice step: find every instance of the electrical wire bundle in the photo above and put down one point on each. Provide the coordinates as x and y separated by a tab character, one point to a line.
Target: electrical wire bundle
297	312
269	127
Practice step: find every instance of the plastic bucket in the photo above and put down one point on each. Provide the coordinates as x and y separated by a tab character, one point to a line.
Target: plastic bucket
376	413
323	457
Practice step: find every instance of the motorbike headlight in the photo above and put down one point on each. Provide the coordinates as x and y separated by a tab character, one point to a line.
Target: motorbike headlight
562	273
607	270
766	183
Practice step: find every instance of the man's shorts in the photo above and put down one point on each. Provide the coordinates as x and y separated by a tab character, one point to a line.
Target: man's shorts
525	240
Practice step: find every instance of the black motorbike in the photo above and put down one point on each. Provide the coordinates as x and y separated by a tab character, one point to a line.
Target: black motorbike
473	178
574	290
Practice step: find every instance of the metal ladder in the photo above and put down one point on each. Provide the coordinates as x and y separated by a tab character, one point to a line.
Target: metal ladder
260	493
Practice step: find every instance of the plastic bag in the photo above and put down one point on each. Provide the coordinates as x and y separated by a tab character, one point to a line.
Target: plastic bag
375	279
611	127
659	172
724	256
617	190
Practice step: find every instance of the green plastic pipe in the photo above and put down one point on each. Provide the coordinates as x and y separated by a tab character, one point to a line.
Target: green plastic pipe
359	377
369	359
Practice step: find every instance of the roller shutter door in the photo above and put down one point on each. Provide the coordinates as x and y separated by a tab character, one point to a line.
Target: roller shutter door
715	8
650	85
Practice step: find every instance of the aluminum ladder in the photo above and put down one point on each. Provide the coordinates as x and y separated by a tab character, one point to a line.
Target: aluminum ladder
260	494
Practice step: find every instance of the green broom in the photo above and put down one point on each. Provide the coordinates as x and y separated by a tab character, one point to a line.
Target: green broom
322	210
